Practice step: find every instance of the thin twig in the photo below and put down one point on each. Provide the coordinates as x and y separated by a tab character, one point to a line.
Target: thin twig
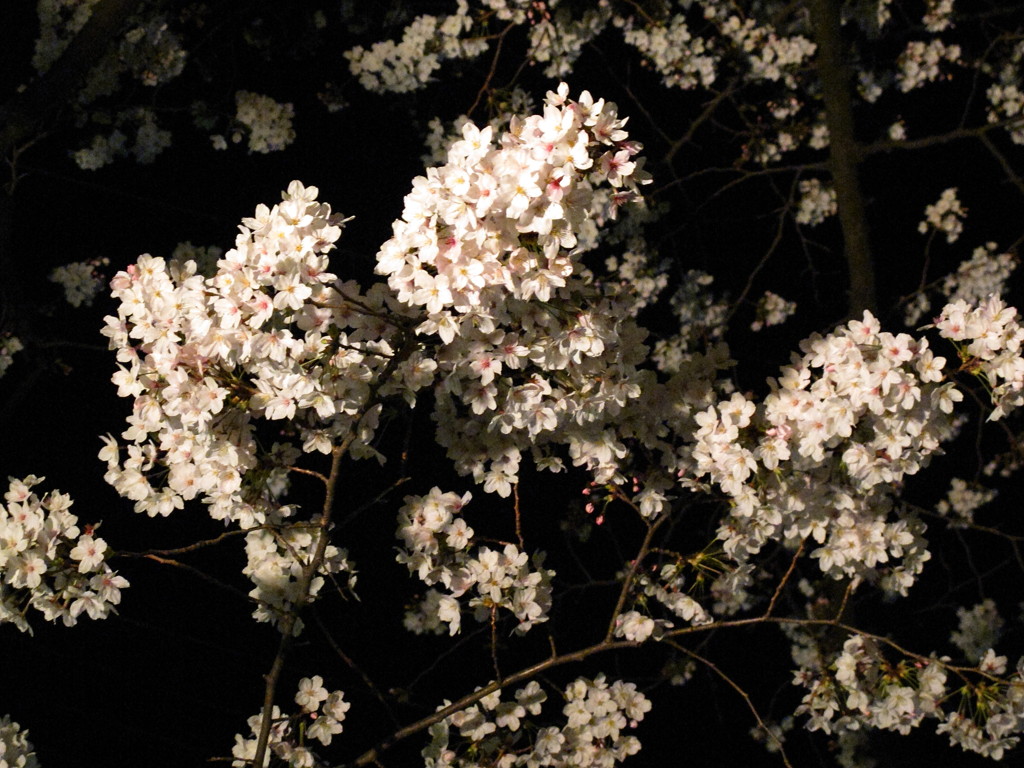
311	472
371	755
196	572
785	578
627	582
189	547
494	66
367	681
287	624
519	524
739	689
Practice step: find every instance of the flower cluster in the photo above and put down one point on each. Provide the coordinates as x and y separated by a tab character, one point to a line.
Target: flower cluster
558	39
320	717
267	124
700	317
9	345
856	413
988	338
977	278
407	65
682	59
938	16
979	627
920	63
492	223
772	309
152	53
81	280
150	141
272	335
59	21
533	351
945	215
1006	96
685	60
769	56
962	500
276	559
861	688
102	151
48	563
16	751
593	734
981	276
667	585
436	545
817	202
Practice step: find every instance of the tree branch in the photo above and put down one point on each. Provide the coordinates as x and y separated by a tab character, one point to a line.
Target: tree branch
844	155
29	111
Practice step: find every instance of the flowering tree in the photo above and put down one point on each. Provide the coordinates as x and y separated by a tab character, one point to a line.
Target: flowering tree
536	394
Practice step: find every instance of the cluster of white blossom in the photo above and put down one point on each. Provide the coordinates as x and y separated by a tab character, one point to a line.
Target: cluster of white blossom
152	53
979	628
407	65
59	22
276	558
945	215
770	56
938	15
533	352
1006	102
772	309
594	733
148	52
9	345
267	124
817	202
150	141
860	688
440	135
962	500
686	61
320	717
700	317
205	257
667	585
272	335
436	543
1006	95
635	275
683	60
819	456
81	280
897	131
981	276
988	339
557	40
920	63
102	151
16	751
48	563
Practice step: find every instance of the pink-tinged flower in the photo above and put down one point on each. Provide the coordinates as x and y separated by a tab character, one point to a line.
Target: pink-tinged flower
89	553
